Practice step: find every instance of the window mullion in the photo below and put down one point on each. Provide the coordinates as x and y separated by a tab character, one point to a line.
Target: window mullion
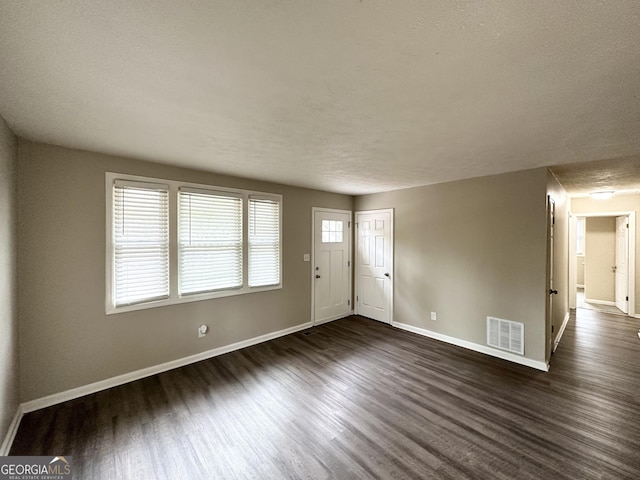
173	243
245	241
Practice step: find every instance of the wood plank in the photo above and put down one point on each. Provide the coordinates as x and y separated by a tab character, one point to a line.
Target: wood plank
357	398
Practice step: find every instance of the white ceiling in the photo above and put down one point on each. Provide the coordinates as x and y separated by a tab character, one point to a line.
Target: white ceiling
352	96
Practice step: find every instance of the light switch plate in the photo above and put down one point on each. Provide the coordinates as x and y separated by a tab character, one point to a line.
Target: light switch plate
307	257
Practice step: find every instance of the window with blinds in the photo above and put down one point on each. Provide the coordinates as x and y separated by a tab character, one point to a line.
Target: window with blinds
264	241
140	242
171	242
210	241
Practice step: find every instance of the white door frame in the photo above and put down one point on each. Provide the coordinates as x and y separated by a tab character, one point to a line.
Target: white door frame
391	212
551	252
622	223
573	261
631	259
313	257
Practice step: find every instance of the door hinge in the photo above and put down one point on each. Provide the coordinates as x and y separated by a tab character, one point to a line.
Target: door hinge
357	300
627	225
553	220
348	263
349	302
551	328
626	299
348	224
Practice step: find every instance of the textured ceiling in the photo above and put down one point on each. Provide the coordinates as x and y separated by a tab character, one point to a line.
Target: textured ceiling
621	175
353	96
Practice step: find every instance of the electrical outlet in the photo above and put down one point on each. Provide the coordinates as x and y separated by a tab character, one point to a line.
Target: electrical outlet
202	331
433	316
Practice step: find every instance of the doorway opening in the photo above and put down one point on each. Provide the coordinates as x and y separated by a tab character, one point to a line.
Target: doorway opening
602	262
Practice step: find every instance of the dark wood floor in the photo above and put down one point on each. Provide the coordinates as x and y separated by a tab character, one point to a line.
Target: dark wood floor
359	399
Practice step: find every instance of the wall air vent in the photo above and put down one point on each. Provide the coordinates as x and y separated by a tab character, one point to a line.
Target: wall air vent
505	335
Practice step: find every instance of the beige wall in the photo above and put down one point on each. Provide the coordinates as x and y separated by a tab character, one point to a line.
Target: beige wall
600	245
616	204
469	249
580	260
9	383
561	259
66	339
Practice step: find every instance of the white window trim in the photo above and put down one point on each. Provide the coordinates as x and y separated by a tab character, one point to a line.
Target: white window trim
174	296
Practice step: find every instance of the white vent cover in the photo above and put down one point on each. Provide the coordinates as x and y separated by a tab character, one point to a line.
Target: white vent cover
505	335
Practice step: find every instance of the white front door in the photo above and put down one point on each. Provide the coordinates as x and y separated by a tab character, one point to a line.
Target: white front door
374	264
331	264
621	268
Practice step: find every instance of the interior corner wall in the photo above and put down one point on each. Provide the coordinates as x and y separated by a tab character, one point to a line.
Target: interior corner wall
471	249
615	204
561	256
66	340
9	371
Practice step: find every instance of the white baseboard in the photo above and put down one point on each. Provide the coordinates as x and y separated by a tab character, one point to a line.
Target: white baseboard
556	340
78	392
476	347
600	302
11	433
333	319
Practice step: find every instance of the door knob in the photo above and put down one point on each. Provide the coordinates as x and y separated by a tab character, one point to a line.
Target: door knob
387	275
553	292
317	276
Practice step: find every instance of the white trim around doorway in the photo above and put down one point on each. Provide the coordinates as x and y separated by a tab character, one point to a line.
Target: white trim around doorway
632	256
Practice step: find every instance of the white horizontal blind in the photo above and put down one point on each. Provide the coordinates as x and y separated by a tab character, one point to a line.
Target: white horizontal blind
264	242
210	242
140	243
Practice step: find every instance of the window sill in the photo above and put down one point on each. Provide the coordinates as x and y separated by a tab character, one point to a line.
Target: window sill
111	310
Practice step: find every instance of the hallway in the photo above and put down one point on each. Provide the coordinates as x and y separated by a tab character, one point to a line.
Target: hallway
609	309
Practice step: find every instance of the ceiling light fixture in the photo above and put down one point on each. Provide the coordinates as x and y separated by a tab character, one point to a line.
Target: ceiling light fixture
601	195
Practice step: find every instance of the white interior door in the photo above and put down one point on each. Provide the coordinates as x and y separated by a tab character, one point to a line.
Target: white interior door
374	264
622	268
331	265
